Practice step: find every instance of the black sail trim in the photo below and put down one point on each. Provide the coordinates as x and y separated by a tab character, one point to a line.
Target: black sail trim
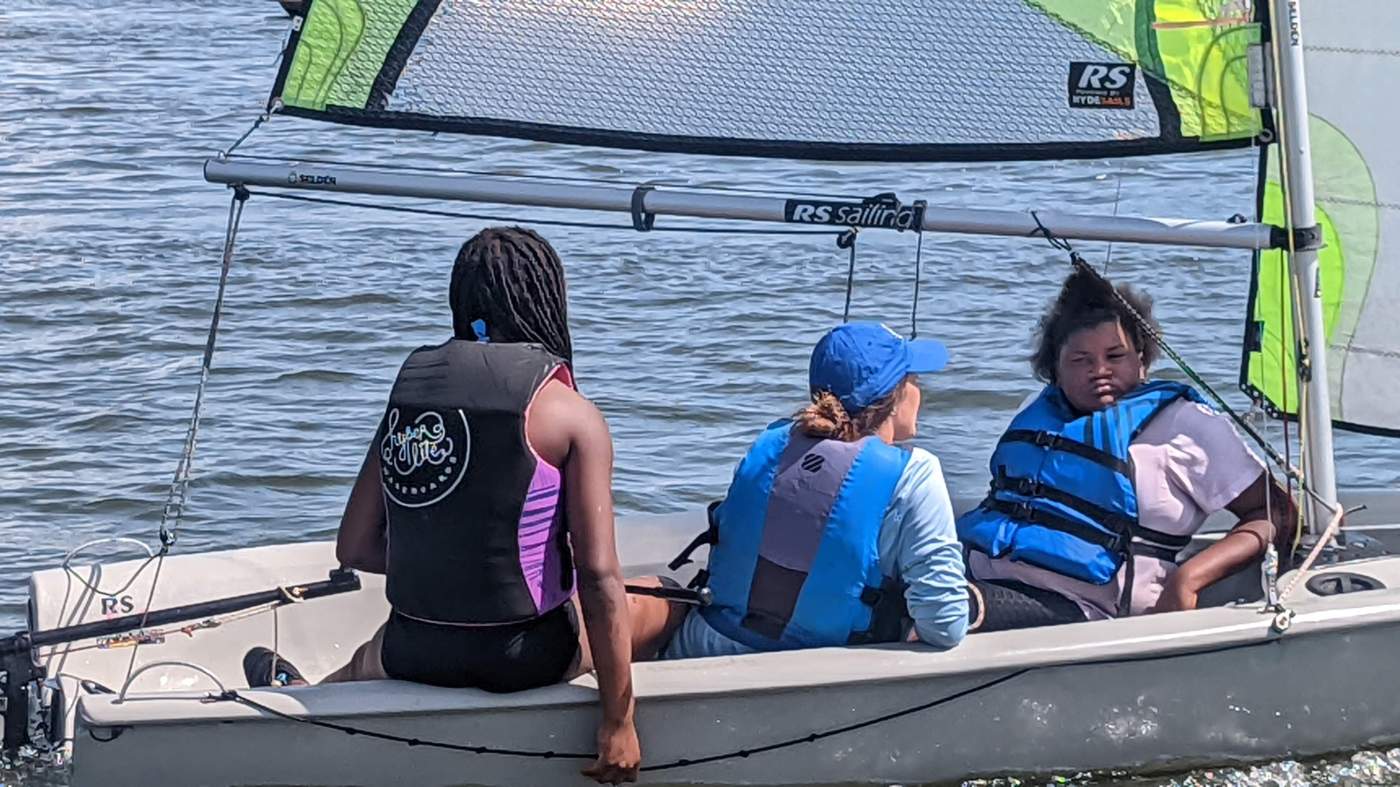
404	43
763	148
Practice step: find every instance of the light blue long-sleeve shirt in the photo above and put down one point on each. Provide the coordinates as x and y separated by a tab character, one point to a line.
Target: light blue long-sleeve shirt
918	544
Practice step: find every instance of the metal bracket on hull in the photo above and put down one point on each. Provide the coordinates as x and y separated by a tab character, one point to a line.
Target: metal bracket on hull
24	695
17	671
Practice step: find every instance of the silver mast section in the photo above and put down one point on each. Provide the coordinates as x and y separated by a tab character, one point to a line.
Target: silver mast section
667	201
1296	148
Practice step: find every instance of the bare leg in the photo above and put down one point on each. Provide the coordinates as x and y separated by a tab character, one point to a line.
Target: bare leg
364	665
653	621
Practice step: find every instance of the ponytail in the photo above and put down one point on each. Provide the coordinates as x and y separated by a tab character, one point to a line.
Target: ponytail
826	418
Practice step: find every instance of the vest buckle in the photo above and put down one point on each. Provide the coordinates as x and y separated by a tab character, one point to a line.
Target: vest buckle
1028	487
1047	439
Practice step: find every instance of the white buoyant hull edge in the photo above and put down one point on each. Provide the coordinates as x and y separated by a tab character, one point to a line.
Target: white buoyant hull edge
1206	687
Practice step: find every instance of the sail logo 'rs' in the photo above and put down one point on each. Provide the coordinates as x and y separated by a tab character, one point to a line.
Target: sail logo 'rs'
813	462
1102	85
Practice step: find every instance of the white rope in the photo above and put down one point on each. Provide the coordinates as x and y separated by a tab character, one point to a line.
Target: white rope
1334	526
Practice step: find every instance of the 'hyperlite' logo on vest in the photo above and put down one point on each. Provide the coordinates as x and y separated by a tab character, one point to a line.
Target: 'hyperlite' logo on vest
813	462
1101	85
883	211
422	460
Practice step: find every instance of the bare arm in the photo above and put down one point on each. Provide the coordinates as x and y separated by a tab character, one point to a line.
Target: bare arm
588	502
361	543
1262	519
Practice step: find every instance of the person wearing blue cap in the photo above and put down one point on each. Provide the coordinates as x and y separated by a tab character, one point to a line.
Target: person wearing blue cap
830	533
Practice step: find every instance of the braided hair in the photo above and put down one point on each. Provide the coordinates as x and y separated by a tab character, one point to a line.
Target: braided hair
511	279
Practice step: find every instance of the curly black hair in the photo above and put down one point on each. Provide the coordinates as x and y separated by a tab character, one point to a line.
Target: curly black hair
511	279
1086	301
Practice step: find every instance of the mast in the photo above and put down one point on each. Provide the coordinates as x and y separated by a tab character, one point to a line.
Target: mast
1296	149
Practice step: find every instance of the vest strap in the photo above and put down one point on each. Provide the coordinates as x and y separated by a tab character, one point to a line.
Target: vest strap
1154	551
871	596
1029	487
1024	512
1144	536
1159	538
1057	442
709	535
889	618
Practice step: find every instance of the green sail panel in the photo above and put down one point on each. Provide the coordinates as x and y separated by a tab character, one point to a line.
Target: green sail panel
891	80
1356	168
340	52
1196	50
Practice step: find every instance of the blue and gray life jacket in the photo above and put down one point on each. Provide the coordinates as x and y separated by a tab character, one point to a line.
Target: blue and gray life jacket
1062	494
794	557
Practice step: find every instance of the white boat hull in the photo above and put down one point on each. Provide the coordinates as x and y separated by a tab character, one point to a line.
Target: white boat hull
1164	691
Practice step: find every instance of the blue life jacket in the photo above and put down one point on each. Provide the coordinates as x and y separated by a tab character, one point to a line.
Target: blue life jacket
1063	496
794	560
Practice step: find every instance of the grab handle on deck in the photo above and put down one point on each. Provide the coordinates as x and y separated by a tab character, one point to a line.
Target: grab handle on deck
121	697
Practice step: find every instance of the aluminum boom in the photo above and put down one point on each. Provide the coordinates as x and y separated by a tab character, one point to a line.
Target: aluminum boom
664	201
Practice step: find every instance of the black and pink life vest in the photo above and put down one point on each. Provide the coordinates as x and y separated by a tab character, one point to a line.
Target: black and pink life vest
476	525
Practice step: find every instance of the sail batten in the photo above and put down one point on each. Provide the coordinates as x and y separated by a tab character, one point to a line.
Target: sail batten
890	80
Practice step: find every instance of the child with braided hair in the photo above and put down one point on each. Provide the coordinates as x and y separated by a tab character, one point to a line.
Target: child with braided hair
486	500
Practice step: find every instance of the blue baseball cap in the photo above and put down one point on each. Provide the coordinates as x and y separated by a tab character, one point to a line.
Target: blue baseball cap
863	362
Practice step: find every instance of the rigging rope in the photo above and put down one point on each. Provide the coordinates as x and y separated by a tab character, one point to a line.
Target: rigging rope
847	240
180	485
235	696
261	119
918	276
1268	640
542	222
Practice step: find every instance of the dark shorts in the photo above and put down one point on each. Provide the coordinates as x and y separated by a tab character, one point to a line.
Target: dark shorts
1015	605
506	658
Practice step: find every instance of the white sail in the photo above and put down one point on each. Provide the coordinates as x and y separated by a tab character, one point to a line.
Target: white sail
1353	64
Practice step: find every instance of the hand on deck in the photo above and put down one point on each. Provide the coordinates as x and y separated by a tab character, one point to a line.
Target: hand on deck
619	754
1178	594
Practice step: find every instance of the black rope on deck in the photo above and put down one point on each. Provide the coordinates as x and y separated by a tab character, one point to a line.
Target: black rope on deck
537	754
1269	639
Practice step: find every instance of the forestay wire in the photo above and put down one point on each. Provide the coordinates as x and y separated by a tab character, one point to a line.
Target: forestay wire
173	512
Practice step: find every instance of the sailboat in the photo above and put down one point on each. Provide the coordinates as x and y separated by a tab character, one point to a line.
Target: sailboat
132	668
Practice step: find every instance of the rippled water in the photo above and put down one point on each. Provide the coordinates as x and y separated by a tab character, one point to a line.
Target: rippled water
109	245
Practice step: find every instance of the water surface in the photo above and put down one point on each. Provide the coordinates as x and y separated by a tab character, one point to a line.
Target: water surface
109	259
